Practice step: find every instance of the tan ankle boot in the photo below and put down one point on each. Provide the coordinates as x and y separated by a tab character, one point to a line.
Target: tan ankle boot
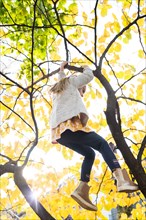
81	196
124	184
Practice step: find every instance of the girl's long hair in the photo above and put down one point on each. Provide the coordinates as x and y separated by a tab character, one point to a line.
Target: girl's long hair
59	86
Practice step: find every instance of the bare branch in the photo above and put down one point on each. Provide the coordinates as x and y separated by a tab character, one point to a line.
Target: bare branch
113	72
143	146
17	115
7	168
29	59
140	39
29	196
53	27
8	158
101	182
8	13
14	105
63	32
95	32
23	151
138	12
117	36
21	87
141	71
131	99
132	129
118	114
32	88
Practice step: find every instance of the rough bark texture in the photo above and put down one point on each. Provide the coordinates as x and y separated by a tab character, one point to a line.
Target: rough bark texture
25	190
27	193
115	128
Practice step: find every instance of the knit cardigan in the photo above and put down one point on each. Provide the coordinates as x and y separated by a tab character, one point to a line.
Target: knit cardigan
68	103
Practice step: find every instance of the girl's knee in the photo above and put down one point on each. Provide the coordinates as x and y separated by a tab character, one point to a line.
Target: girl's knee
91	154
103	144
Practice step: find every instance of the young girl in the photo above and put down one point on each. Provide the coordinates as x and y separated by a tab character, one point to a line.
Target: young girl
69	128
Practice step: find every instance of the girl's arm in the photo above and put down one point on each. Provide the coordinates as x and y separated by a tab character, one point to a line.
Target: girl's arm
82	79
61	73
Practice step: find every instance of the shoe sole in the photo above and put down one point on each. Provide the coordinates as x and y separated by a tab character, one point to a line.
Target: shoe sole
128	190
83	203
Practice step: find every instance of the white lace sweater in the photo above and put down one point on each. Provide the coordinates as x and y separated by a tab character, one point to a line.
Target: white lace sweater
68	103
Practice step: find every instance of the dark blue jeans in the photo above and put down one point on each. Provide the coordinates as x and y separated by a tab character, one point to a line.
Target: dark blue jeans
82	143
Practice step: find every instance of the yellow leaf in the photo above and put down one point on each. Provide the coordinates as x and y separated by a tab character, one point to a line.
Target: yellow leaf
88	52
87	104
101	39
143	11
141	22
117	27
74	8
2	33
103	11
101	48
84	15
117	47
141	53
125	21
125	40
80	42
85	34
58	42
120	74
123	216
99	95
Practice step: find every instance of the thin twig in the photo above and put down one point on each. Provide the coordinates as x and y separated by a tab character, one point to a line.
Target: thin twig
95	32
141	150
117	36
17	115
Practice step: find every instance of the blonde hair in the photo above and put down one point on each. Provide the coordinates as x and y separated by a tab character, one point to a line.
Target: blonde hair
60	86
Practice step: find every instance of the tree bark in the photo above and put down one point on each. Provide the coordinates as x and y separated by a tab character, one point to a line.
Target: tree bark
28	194
133	164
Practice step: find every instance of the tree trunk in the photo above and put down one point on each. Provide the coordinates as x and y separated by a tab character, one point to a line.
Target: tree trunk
133	164
115	128
28	194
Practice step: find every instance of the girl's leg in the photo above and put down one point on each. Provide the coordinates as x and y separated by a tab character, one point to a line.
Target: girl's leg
81	194
73	141
124	184
98	143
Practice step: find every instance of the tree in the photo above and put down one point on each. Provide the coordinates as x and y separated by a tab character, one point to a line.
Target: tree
35	37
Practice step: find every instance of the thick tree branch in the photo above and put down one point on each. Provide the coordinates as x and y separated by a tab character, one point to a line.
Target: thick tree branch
8	158
31	94
29	196
7	168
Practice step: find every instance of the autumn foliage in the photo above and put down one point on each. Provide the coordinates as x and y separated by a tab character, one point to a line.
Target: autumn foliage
37	177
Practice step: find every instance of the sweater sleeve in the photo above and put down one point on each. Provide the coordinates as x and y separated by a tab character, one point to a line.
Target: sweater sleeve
61	75
82	79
